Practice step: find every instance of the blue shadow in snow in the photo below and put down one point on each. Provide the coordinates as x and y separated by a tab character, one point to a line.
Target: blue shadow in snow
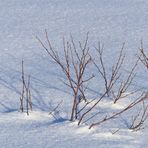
60	120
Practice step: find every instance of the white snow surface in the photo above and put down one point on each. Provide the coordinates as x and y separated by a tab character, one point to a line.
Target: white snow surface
110	21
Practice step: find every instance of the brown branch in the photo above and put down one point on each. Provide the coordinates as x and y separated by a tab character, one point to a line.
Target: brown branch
140	99
93	106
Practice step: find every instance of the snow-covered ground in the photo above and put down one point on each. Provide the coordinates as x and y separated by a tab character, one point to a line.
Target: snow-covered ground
38	130
110	21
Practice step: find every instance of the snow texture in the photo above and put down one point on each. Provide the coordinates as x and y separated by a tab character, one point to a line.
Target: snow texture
110	21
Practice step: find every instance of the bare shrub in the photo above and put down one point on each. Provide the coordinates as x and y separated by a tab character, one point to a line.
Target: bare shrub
118	94
73	66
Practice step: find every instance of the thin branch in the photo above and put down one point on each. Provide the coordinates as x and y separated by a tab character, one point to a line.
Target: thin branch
140	99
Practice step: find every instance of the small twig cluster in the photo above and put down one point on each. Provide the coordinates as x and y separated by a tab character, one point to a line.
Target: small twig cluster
25	98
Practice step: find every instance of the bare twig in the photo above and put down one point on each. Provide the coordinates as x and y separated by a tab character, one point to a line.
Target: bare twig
139	119
115	131
56	107
115	73
23	89
143	57
126	84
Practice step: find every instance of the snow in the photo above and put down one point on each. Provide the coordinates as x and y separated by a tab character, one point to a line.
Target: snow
110	21
38	130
